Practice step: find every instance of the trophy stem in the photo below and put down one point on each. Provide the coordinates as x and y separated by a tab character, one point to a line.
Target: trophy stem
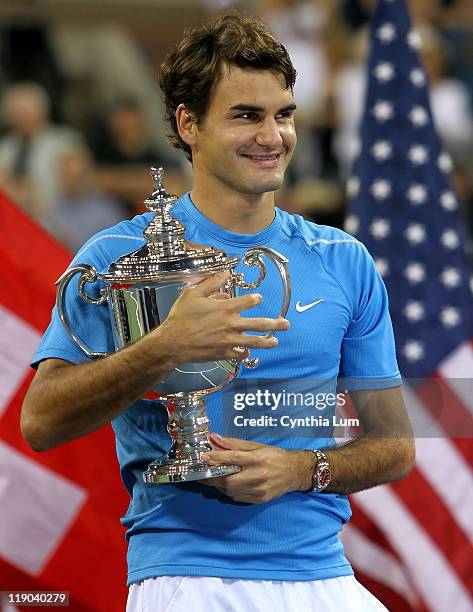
188	426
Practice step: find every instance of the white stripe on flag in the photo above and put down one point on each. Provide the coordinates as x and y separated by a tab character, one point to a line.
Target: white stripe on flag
438	585
448	474
442	465
18	342
459	364
37	507
376	563
457	369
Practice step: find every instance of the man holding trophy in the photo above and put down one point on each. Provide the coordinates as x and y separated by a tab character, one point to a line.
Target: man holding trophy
224	522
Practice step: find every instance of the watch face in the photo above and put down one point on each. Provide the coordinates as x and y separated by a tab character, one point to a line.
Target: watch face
323	477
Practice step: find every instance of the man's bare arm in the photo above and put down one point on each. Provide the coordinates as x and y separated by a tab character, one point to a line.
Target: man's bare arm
386	450
384	453
66	401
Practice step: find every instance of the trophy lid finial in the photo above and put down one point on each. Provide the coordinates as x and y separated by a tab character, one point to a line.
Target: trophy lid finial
160	199
157	175
165	253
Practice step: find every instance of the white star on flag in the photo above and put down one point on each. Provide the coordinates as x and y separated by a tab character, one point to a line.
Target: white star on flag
381	189
351	224
419	116
445	162
418	154
450	316
380	228
450	278
448	200
415	272
382	150
386	33
382	265
417	193
413	350
415	233
414	40
383	110
384	72
417	77
353	186
414	311
450	239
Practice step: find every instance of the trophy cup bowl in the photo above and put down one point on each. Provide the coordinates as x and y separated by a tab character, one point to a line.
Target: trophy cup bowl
140	289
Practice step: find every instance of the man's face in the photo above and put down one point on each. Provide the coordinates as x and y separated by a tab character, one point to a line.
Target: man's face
247	137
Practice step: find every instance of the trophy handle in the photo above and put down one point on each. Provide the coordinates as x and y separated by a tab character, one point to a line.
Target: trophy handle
88	274
252	257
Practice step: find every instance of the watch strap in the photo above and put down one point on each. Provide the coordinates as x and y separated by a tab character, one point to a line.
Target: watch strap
322	474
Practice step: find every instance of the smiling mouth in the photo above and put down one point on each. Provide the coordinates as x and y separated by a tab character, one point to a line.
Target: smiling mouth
263	158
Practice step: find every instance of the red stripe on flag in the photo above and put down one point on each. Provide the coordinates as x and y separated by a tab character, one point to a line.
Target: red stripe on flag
434	516
391	599
361	520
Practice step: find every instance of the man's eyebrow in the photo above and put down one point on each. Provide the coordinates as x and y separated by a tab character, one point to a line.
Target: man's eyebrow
260	109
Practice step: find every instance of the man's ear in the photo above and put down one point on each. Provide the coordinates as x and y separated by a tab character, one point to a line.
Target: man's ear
186	125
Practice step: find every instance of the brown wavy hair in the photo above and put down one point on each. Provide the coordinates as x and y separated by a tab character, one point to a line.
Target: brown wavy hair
191	71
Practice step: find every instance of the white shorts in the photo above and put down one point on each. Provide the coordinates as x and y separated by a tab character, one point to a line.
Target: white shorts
203	594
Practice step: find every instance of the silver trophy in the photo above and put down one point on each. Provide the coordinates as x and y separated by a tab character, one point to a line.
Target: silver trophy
140	289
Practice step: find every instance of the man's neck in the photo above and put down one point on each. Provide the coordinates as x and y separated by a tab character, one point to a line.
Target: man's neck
236	212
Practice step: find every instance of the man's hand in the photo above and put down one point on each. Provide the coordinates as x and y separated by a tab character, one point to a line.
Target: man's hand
267	471
205	325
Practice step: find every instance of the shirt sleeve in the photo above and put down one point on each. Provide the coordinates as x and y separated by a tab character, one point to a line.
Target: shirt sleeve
368	353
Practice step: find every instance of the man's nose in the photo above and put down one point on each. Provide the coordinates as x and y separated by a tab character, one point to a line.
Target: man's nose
269	134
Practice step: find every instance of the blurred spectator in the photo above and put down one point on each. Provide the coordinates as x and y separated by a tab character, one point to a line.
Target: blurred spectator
103	63
26	55
349	91
123	138
450	98
456	26
124	153
30	151
82	208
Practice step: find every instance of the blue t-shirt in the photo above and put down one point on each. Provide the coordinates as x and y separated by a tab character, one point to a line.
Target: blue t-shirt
192	529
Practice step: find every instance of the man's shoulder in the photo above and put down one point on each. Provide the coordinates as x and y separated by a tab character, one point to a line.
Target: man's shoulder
106	246
317	237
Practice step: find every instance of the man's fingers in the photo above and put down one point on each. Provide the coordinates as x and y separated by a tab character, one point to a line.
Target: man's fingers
220	296
244	302
230	457
253	341
210	285
263	324
229	443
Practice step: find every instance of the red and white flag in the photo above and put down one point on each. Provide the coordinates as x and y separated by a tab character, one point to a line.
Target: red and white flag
59	510
412	542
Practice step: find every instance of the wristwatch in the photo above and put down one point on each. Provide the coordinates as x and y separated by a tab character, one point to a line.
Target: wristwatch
322	474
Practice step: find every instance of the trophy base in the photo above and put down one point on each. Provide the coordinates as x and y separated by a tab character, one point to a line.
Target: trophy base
173	471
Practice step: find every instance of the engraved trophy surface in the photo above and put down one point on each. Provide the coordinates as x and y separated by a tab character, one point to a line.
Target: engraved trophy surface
140	289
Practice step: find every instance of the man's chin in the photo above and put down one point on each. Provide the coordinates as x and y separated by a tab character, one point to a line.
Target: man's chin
264	186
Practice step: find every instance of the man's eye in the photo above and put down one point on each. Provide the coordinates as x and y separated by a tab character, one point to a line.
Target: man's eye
285	115
249	116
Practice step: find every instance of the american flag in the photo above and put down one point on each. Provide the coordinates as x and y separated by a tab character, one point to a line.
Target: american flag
411	542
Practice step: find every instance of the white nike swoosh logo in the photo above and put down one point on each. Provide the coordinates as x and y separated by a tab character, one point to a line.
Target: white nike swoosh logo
300	308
